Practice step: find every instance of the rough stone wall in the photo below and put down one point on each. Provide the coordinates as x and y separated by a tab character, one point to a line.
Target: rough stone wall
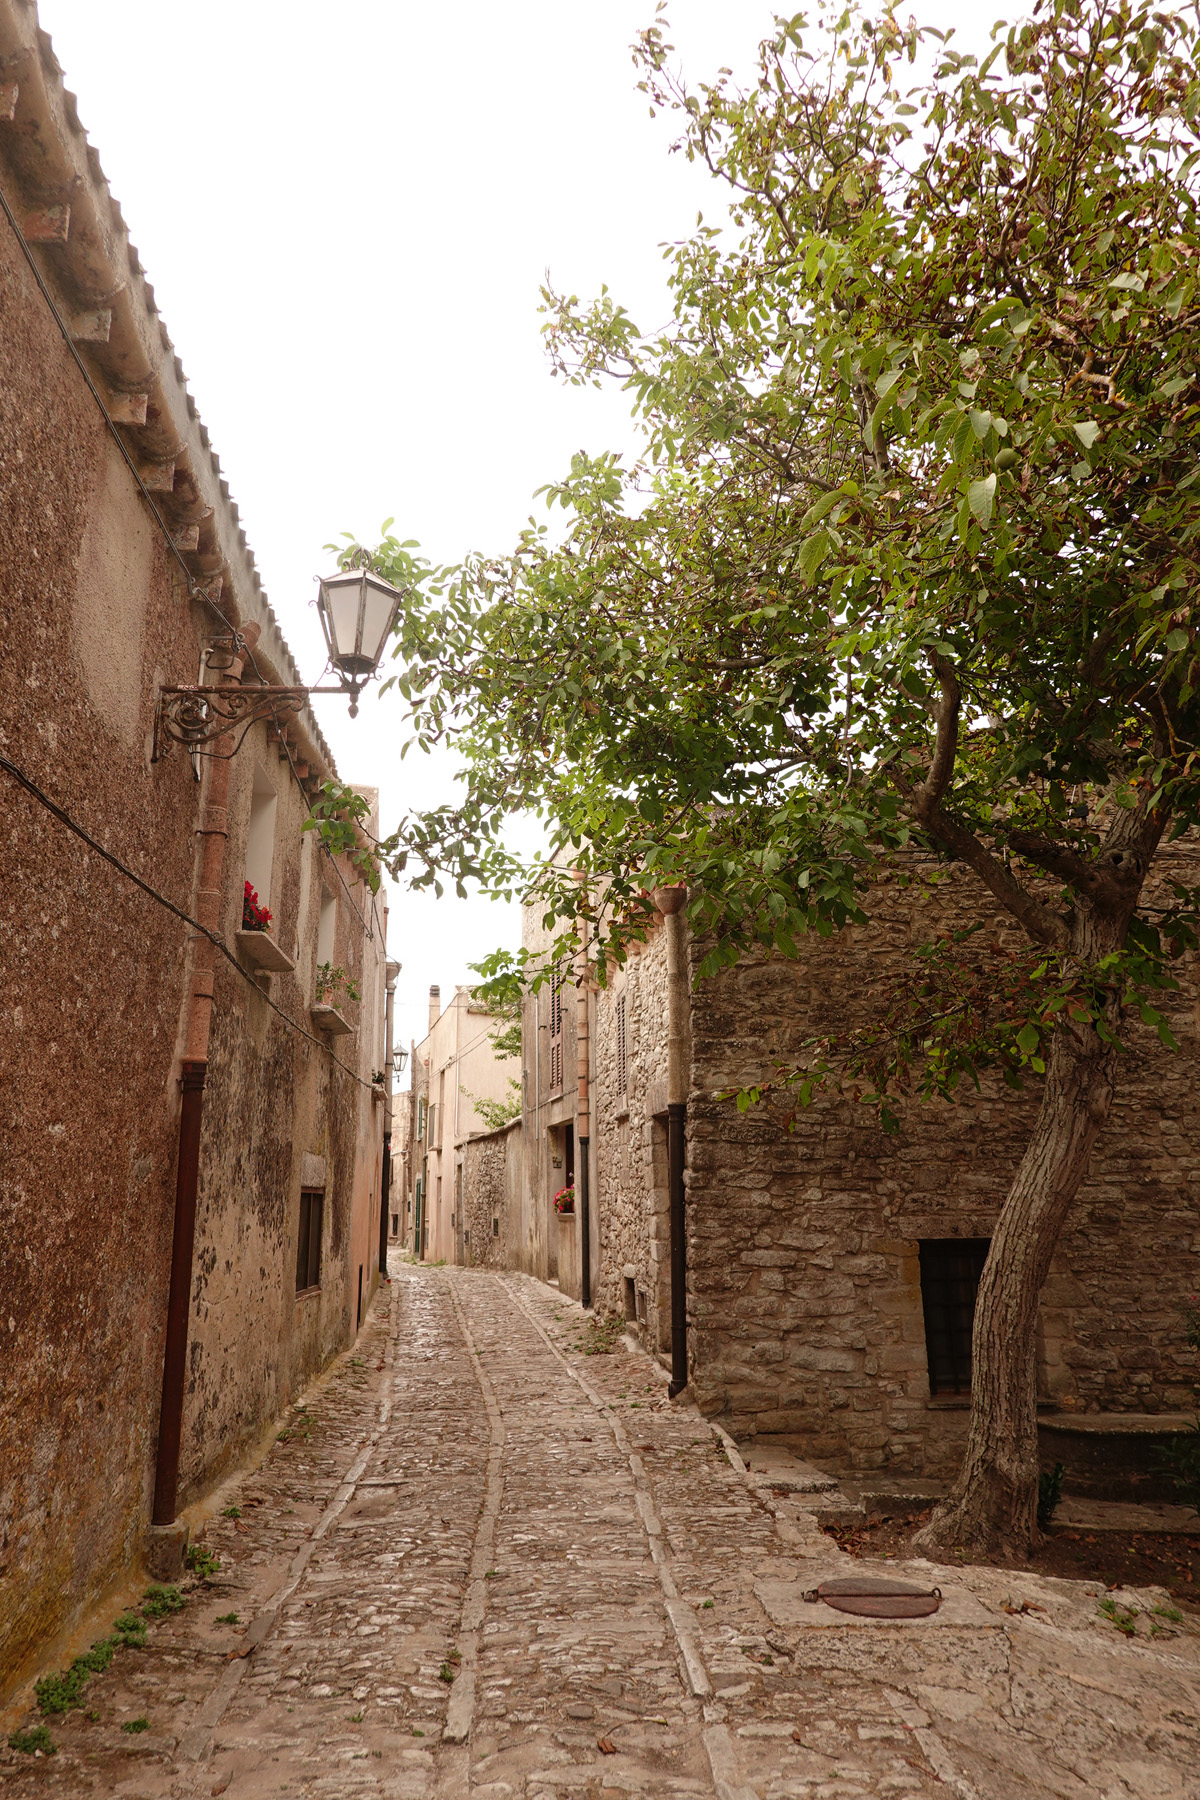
804	1288
93	618
93	980
631	1145
280	1114
491	1176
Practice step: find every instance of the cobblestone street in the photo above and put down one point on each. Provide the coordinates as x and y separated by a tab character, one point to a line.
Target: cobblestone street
480	1561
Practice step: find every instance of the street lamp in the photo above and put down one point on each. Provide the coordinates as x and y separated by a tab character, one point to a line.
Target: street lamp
357	609
399	1061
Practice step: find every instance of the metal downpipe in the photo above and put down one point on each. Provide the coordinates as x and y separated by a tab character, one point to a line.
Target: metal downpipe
187	1176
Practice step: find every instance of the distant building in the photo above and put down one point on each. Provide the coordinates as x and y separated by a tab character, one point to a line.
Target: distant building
461	1087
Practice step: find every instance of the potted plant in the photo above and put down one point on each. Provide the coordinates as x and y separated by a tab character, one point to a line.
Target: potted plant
333	984
564	1201
254	938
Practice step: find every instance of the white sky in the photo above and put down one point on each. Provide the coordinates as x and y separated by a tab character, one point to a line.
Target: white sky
345	214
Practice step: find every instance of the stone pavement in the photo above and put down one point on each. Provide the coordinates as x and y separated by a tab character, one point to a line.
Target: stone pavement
481	1562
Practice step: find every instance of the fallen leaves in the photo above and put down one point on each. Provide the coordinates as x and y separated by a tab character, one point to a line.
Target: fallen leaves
606	1747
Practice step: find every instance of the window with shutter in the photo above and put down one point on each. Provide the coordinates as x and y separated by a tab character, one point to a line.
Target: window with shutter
308	1243
556	1039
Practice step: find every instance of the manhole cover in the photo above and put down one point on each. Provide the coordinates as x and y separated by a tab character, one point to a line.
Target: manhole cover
873	1598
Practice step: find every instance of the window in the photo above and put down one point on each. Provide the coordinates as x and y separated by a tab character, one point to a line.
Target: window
950	1271
308	1243
327	927
260	840
420	1119
622	1065
430	1121
630	1300
556	1038
495	1228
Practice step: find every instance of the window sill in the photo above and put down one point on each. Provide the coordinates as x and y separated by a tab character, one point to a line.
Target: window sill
262	950
307	1293
329	1020
949	1402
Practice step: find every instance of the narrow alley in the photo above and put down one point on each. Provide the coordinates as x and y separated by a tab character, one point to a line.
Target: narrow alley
481	1560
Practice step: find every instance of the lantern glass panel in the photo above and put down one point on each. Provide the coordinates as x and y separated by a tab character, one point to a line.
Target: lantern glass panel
342	595
378	606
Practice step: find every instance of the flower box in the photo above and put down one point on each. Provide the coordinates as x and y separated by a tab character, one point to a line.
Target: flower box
329	1020
261	949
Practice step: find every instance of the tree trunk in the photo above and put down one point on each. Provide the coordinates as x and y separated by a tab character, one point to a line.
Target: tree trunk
992	1507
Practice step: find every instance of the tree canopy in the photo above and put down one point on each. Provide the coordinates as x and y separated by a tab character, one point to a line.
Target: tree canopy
909	562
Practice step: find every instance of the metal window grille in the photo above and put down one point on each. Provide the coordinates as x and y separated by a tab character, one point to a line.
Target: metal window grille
622	1064
556	1038
950	1271
308	1242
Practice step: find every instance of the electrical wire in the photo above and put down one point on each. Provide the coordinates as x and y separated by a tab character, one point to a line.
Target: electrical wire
214	937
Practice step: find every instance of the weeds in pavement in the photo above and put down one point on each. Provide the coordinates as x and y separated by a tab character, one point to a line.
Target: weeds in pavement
202	1562
131	1630
228	1619
231	1512
136	1725
158	1601
600	1336
1123	1617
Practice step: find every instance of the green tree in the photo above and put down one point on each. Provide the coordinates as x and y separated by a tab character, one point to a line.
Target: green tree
909	561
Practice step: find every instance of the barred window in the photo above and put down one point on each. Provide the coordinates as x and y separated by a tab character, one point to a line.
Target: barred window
556	1038
622	1063
950	1271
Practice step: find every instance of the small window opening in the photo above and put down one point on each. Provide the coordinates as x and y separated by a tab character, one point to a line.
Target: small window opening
641	1307
360	1270
950	1271
308	1243
495	1228
260	839
395	1224
327	927
630	1300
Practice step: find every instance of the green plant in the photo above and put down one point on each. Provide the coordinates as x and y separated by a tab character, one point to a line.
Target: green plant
1123	1617
1172	1613
355	1718
136	1725
131	1630
333	983
202	1562
1050	1483
59	1693
97	1659
601	1336
705	1604
230	1618
158	1600
29	1743
231	1512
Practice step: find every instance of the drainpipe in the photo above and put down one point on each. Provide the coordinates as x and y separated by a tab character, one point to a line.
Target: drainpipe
583	1109
670	902
391	970
212	833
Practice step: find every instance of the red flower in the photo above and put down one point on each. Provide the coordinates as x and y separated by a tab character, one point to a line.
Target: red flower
254	916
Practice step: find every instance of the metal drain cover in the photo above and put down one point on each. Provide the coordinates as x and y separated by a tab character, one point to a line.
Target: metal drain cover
873	1598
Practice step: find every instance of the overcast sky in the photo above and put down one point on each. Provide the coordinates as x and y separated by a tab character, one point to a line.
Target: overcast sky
345	214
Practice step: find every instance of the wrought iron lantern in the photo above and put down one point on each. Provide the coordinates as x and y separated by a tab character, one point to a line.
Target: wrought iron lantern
399	1061
357	610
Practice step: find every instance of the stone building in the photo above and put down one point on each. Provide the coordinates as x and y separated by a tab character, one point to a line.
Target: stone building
457	1077
831	1269
162	1070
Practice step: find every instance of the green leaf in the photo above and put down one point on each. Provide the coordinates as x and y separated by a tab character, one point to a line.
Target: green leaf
981	496
1028	1039
1087	431
981	423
